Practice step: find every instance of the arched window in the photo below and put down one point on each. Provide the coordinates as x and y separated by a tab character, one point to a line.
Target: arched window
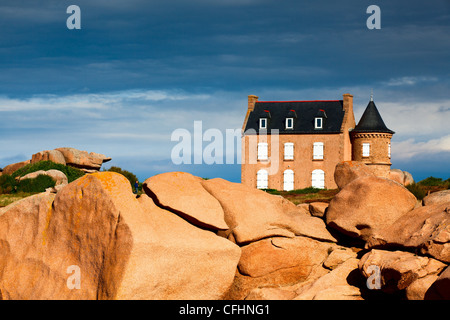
262	179
318	179
288	180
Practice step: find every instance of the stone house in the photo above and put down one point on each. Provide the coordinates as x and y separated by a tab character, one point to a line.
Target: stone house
289	145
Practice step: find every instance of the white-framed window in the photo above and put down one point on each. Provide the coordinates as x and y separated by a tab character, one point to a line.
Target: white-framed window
288	180
318	123
263	153
289	151
318	151
262	179
318	179
389	150
289	123
366	149
263	123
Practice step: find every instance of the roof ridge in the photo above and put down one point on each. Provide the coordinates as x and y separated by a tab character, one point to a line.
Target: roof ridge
298	101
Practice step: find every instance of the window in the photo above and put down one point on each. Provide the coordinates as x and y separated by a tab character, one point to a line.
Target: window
289	123
262	179
288	184
262	151
389	150
318	179
318	123
366	149
288	151
263	123
318	151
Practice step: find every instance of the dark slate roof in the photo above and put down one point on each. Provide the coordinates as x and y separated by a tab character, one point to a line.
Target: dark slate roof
371	121
306	111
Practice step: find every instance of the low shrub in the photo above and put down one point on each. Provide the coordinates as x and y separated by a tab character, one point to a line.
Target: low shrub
305	190
7	184
38	184
127	174
272	191
431	181
71	173
417	190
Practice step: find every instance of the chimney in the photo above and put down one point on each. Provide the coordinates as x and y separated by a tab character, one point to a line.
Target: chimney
251	102
348	102
349	117
252	99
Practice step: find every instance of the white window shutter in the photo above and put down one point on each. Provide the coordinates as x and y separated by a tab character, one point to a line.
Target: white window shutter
318	151
318	179
366	149
288	151
262	179
288	176
263	151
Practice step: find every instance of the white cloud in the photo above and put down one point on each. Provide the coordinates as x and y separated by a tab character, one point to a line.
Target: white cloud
409	81
136	123
410	148
92	101
417	119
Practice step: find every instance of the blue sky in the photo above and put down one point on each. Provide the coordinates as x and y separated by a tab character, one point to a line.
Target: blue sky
138	70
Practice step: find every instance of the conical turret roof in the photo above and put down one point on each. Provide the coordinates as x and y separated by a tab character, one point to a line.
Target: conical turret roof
371	121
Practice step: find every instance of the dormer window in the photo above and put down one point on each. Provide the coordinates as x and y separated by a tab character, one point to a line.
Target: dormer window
318	123
289	123
320	118
290	117
263	123
264	120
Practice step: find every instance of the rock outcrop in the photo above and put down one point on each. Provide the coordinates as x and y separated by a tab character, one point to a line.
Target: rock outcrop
59	177
123	247
347	171
10	169
88	162
189	238
398	270
368	204
440	288
403	177
252	214
425	229
184	194
439	197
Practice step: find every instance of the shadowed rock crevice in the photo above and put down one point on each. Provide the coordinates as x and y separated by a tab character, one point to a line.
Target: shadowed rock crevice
188	218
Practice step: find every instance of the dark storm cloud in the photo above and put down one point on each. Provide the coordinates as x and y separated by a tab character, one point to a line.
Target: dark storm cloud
138	69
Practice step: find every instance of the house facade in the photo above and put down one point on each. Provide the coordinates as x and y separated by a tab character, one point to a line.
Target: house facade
290	145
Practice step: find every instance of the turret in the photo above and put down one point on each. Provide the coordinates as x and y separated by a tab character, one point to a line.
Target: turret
371	141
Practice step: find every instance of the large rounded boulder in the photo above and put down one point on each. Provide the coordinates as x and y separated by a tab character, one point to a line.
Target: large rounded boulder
368	204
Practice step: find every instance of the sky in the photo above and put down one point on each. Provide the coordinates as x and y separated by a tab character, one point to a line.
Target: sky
138	70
